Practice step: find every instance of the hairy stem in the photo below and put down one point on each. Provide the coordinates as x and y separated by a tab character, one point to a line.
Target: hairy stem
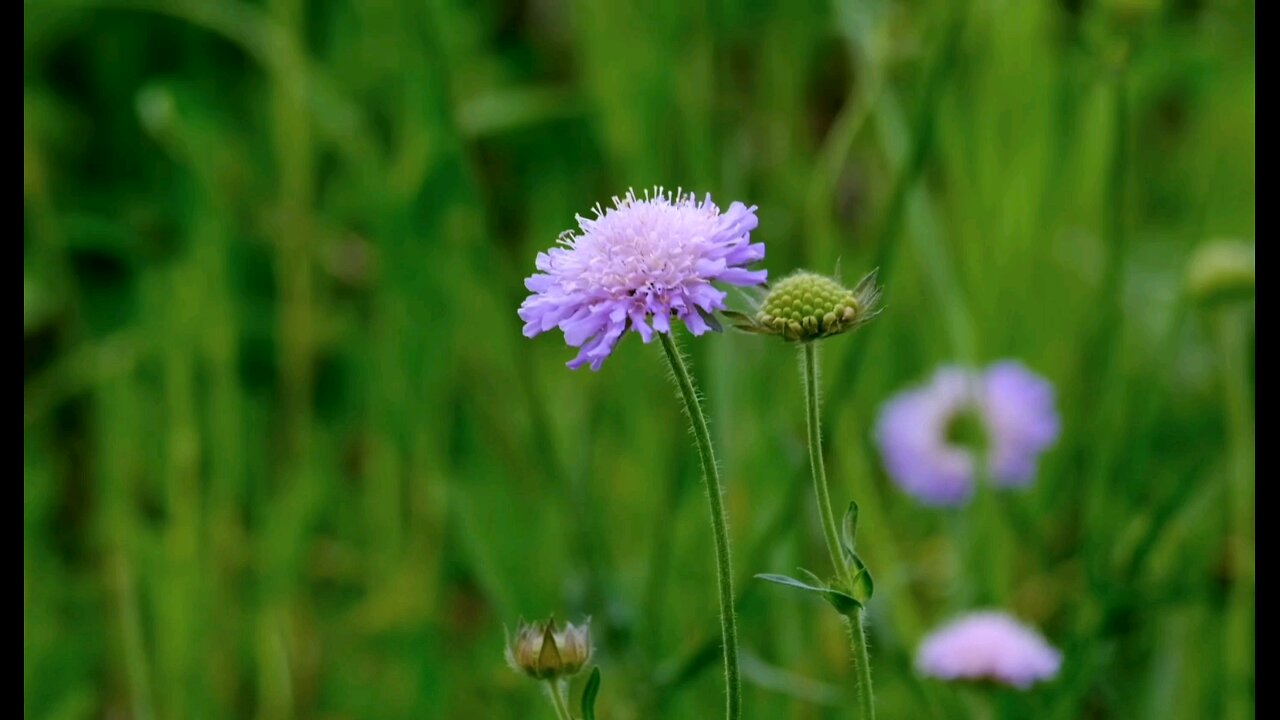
857	634
719	527
555	690
861	666
817	467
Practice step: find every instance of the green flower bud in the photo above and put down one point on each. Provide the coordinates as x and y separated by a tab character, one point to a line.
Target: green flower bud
540	651
806	306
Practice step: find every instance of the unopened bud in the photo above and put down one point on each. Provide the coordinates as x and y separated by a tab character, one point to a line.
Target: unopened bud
541	651
806	306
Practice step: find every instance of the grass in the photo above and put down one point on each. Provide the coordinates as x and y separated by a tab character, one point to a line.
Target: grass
286	453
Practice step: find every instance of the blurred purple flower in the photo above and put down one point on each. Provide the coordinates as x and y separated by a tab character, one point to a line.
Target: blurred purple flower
643	260
990	646
920	431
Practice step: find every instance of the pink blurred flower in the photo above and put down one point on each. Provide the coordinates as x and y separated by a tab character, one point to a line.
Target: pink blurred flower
988	645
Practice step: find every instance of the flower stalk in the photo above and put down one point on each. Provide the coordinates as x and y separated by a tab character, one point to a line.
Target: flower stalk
719	526
556	691
853	617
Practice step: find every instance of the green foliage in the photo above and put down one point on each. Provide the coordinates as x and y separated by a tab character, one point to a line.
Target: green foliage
862	585
589	693
843	602
286	453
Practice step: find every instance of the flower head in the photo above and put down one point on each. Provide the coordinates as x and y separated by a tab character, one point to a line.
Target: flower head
644	260
806	306
937	438
540	651
990	646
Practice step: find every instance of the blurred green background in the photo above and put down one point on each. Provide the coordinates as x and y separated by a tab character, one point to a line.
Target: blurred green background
286	453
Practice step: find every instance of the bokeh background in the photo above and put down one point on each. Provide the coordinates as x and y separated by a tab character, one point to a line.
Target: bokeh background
287	455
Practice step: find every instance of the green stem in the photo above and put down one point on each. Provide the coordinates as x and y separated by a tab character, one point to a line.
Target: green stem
857	633
861	666
555	689
816	465
719	527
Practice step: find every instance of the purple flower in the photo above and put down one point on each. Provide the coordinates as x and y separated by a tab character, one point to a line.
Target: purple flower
921	431
988	646
641	261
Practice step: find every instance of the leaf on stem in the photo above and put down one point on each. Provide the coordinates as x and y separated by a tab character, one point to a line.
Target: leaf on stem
863	586
849	528
589	695
843	602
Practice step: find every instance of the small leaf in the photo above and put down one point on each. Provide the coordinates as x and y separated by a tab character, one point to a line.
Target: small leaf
856	561
790	581
863	586
849	528
843	602
814	578
589	695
